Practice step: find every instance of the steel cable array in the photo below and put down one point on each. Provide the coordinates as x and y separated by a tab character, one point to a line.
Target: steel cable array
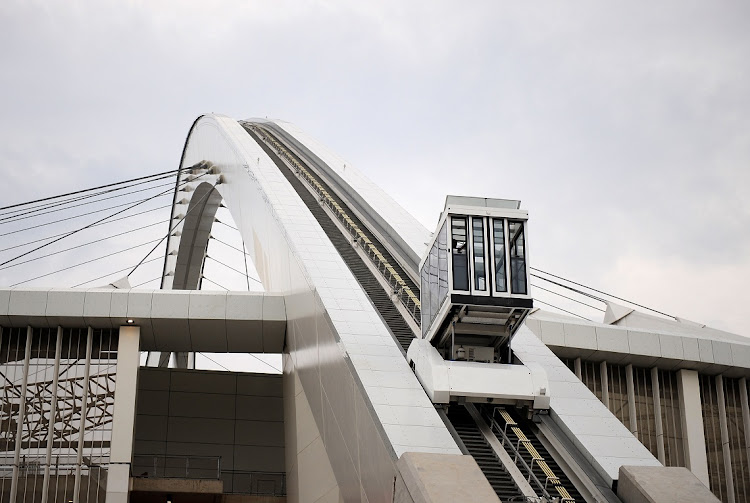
25	218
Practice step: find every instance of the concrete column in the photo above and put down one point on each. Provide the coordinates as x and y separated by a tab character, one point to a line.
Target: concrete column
21	416
577	367
657	415
631	400
52	412
123	420
691	418
745	415
605	383
724	430
84	412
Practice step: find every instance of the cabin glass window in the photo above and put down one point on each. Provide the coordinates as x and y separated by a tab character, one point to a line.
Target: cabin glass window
442	242
459	253
517	247
434	278
498	232
477	234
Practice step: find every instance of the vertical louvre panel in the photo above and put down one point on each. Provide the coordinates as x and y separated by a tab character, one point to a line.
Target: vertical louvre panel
592	377
711	430
72	392
618	393
12	351
644	406
737	440
674	449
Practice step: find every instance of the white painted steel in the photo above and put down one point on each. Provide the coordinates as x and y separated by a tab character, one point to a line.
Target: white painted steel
82	424
123	418
368	405
20	419
446	381
52	413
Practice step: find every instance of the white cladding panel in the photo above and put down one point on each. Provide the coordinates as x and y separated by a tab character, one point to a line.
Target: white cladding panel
600	436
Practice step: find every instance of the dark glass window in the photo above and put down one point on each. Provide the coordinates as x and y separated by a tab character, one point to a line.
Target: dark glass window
477	233
499	241
460	257
517	258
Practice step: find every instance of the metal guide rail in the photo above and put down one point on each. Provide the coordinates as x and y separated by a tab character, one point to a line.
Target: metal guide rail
536	458
405	294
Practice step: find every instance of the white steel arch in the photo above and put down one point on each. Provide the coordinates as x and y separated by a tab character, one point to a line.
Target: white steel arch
333	347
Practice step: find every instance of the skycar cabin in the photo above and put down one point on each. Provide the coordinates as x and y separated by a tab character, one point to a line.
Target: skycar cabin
474	287
474	280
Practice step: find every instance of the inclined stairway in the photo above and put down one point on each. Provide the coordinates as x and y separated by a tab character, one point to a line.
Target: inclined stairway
519	431
476	445
511	428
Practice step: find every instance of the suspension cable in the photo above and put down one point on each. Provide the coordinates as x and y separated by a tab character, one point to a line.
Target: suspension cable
84	263
92	188
603	293
173	227
36	213
77	216
561	309
569	298
111	273
79	246
214	282
89	225
232	268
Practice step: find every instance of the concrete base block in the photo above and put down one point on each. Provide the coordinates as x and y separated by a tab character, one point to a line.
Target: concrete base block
177	486
661	484
441	478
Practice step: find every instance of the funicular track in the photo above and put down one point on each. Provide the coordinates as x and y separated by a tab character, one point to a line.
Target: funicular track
529	447
476	445
511	428
380	298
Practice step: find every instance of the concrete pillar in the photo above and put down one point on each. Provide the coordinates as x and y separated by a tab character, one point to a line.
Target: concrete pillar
745	415
691	418
631	400
577	368
21	414
724	430
52	413
84	412
123	420
605	383
657	415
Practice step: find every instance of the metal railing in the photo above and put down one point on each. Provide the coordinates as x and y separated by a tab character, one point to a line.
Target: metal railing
517	458
176	467
535	457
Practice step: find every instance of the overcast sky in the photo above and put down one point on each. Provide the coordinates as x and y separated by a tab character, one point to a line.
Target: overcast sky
624	128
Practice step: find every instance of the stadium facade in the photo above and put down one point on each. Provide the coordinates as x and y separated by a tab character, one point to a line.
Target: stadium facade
639	407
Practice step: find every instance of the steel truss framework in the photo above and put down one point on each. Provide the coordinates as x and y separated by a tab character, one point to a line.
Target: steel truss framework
58	388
